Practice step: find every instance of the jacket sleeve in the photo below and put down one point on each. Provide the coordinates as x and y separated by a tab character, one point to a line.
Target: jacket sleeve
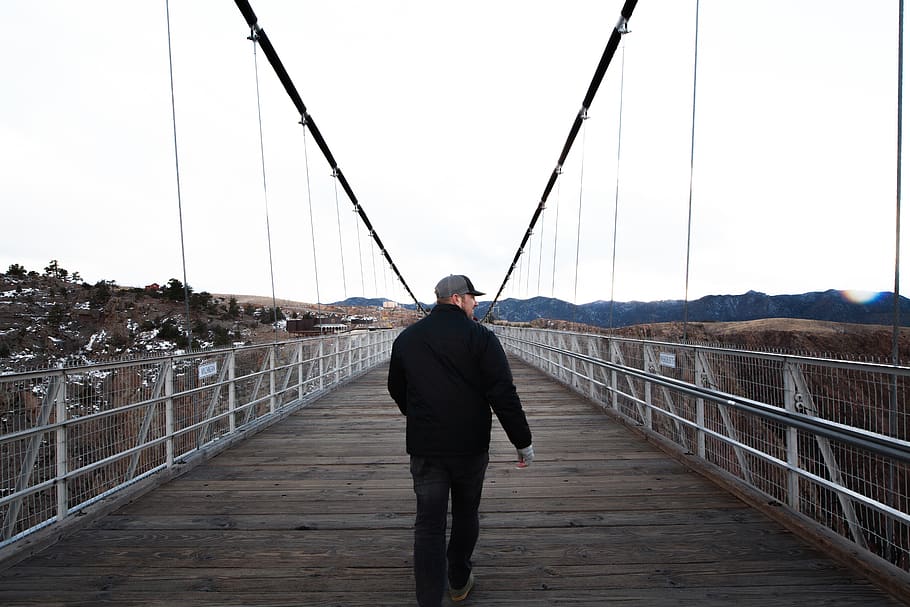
397	382
501	392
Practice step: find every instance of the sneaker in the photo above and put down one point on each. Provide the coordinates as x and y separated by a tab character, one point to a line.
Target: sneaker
460	594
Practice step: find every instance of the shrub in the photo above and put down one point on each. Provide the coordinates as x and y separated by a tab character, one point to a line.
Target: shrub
170	330
16	270
56	315
221	336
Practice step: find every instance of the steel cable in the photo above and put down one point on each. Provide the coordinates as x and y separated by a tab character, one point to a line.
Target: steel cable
622	80
309	198
186	287
581	186
691	176
344	280
265	194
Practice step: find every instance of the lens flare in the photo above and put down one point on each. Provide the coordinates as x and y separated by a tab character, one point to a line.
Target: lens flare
861	297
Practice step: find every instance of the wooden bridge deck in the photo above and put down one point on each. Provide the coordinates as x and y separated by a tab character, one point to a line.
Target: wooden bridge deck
318	511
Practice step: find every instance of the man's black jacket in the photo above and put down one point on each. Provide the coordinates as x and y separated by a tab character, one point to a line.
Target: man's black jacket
446	373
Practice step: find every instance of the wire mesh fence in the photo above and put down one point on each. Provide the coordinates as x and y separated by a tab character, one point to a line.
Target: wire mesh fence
826	438
70	436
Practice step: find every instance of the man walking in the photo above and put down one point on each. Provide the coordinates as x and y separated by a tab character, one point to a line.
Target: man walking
446	374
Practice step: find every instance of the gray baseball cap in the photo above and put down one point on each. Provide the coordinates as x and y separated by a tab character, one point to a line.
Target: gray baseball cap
455	284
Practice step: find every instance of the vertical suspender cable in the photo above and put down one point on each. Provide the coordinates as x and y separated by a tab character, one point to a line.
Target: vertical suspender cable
344	280
540	252
309	200
186	287
373	261
622	79
385	280
530	264
581	185
555	237
363	288
521	274
254	37
691	173
895	339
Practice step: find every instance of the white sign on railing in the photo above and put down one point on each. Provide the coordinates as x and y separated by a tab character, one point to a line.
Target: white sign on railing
668	359
208	370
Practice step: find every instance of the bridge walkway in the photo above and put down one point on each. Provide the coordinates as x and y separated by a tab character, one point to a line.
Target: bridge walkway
318	510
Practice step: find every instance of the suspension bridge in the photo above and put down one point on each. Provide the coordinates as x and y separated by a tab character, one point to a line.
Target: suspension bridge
275	474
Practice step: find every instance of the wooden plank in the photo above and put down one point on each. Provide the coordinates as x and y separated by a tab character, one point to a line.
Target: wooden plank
319	511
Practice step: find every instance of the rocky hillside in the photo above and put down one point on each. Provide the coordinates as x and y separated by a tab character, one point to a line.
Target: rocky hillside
848	341
53	318
831	305
46	320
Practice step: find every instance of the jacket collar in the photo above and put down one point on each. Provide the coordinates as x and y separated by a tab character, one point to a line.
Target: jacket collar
446	307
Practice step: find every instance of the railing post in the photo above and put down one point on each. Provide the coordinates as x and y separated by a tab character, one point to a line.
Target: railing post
169	426
301	377
339	361
321	355
589	368
273	405
232	390
700	375
792	440
62	450
614	380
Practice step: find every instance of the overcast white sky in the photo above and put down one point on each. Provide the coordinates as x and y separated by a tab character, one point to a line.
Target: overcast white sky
447	119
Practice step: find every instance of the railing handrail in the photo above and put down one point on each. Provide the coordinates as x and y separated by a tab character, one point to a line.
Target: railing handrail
881	367
145	358
878	443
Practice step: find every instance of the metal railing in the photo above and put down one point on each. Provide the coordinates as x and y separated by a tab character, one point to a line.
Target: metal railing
72	436
826	439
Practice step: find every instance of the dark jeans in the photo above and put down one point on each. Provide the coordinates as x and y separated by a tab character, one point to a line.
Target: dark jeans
434	477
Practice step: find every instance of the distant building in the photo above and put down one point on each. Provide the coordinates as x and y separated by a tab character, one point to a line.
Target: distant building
390	305
152	288
301	325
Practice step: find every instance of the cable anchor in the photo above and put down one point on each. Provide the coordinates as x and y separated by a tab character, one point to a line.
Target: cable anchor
254	32
622	26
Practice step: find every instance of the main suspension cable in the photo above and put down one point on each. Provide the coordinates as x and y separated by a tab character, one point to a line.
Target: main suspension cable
599	73
247	11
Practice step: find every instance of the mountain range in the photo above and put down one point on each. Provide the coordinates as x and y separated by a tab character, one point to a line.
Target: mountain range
831	305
